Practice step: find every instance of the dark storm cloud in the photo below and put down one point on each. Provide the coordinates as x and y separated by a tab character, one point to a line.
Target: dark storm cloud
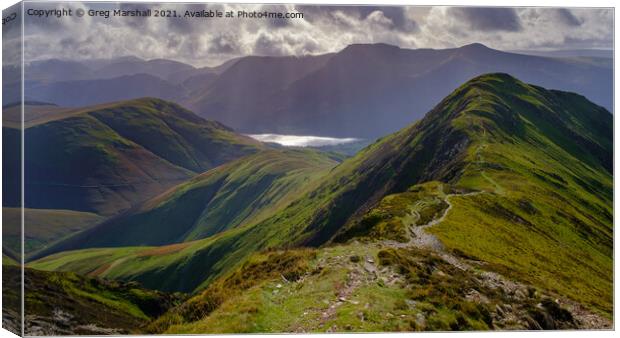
269	45
316	13
568	18
68	43
396	14
489	19
311	46
225	43
323	29
174	42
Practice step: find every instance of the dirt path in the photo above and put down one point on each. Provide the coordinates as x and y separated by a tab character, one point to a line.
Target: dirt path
365	271
418	236
421	238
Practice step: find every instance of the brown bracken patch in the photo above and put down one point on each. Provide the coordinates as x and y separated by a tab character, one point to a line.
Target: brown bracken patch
164	250
99	270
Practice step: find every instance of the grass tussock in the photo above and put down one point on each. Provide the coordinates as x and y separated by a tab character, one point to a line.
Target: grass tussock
289	265
445	294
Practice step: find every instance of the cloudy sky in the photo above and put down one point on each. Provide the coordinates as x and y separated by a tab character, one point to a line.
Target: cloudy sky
201	41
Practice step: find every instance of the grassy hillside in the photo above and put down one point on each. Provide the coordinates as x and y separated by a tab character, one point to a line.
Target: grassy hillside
254	187
543	160
12	115
183	267
105	158
42	227
548	216
241	192
511	178
8	260
59	303
361	288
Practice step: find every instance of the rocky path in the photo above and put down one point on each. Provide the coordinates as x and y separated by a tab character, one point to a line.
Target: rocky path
420	238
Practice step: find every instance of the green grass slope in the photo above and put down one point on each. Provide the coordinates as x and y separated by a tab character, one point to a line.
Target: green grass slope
8	260
532	168
105	158
42	227
241	192
59	303
360	288
542	160
545	157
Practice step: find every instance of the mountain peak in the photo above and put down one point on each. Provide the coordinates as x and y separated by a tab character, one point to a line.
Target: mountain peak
498	84
494	78
487	93
475	46
476	50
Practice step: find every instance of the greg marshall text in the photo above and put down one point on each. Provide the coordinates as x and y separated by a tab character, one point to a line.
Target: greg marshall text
93	12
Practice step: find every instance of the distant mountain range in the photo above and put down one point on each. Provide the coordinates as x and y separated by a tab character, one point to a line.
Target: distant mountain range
499	176
362	91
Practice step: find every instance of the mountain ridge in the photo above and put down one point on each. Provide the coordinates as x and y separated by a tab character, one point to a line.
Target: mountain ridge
104	150
537	158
